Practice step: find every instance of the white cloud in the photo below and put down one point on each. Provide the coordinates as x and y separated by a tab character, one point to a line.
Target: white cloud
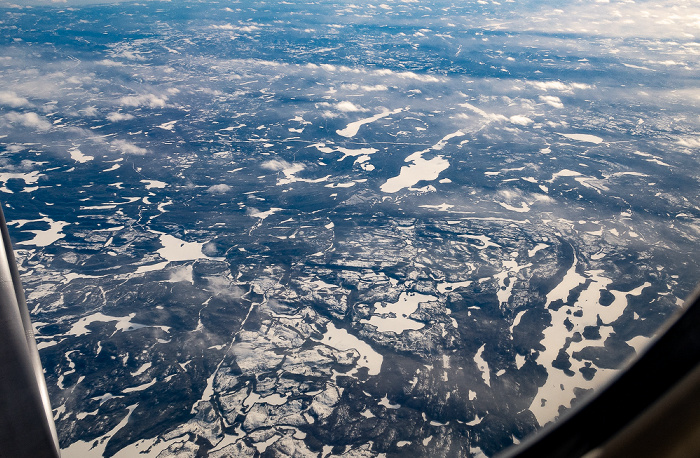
376	87
558	86
109	63
408	75
149	100
276	165
11	99
245	28
367	88
546	85
14	148
521	120
28	120
348	107
128	148
489	116
89	111
619	19
689	142
219	189
552	100
131	55
116	116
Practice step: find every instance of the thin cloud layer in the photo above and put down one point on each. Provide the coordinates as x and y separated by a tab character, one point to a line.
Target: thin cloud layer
128	148
13	100
31	120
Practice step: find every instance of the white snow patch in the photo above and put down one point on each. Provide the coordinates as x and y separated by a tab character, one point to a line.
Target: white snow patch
386	403
45	237
639	343
113	168
582	137
559	387
340	339
351	129
72	276
275	399
510	271
477	419
367	413
124	323
395	317
444	207
516	320
175	249
144	367
538	247
446	286
146	447
420	169
483	365
347	152
265	214
154	184
168	125
96	447
45	344
140	387
524	207
152	267
289	171
484	239
78	156
30	178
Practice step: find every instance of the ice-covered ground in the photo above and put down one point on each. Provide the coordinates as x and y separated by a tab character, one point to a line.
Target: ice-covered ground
309	235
